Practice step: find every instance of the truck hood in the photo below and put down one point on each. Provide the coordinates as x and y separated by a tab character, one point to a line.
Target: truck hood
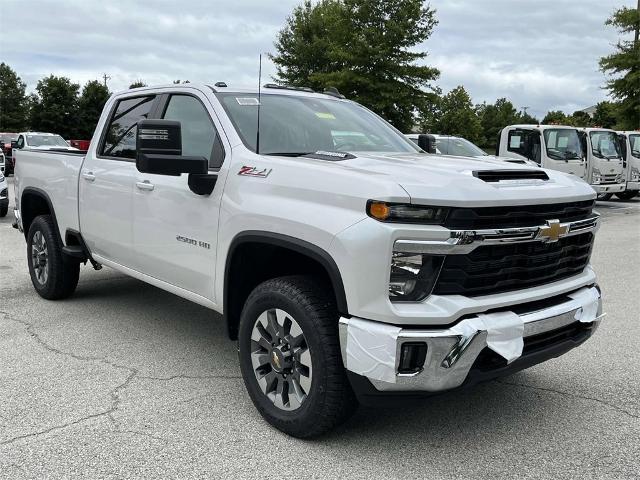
450	181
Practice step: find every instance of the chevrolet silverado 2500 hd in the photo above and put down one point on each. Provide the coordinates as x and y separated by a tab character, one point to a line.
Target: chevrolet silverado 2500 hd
349	265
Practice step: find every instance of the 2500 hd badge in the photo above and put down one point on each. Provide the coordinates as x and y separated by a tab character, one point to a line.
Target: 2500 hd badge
192	241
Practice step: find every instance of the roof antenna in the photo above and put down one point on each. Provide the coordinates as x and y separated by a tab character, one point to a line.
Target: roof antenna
259	102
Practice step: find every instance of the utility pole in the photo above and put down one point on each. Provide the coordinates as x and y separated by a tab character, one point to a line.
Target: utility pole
637	37
106	77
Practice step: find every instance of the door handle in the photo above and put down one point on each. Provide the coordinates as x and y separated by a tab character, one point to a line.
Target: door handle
146	185
89	176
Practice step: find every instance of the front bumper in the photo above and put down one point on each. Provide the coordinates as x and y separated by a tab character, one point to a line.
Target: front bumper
373	350
609	187
633	185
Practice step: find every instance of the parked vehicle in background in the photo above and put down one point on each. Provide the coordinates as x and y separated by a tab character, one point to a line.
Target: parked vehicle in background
605	170
4	196
6	140
458	147
348	264
41	141
551	146
80	144
2	162
630	143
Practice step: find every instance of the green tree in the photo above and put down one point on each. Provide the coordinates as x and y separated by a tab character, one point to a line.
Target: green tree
55	106
90	104
525	119
137	84
13	101
493	118
555	117
457	116
579	119
606	115
364	48
624	66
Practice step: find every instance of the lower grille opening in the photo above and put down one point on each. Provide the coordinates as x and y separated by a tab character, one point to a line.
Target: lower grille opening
488	360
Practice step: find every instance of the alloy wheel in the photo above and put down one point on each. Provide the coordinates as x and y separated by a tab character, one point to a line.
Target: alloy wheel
281	359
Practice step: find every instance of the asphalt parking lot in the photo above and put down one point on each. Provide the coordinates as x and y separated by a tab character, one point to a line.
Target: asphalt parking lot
125	380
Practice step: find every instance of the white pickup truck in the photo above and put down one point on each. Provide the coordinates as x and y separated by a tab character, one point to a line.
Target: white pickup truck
349	265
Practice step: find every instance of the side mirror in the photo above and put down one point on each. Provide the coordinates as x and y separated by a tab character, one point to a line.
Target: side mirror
427	143
159	150
14	144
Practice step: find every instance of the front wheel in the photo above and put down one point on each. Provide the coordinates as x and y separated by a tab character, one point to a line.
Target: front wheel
53	274
627	194
605	196
4	209
290	357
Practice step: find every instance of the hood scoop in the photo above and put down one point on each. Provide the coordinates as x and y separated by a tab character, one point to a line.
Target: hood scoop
493	176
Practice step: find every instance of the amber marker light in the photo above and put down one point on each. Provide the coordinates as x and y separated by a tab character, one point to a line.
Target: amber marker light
379	210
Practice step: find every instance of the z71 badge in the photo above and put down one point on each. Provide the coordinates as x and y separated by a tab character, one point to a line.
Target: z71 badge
255	172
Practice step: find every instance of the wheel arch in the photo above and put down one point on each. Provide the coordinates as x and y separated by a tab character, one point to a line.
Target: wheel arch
34	202
308	258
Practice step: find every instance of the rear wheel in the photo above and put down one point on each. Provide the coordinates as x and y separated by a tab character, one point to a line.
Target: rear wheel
53	274
627	194
290	357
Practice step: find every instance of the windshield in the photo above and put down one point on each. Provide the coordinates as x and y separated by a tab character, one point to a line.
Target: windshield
459	147
46	141
298	125
562	143
634	141
605	145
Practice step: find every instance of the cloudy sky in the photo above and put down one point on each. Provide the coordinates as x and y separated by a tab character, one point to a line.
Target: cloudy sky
541	54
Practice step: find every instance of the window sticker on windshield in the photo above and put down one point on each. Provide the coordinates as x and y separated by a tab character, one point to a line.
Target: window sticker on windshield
325	115
248	101
514	141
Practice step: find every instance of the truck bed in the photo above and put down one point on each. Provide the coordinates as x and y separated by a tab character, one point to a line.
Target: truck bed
55	173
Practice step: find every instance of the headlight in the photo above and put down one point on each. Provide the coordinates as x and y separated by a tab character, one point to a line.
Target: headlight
619	179
595	176
406	213
413	276
635	175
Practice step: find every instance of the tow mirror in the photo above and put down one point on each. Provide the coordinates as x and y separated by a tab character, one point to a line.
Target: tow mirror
427	143
159	150
14	144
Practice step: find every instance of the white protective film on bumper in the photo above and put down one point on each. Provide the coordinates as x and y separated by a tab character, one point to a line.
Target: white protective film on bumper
371	349
589	300
504	332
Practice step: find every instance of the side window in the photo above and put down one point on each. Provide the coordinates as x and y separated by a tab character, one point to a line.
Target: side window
199	135
516	141
120	140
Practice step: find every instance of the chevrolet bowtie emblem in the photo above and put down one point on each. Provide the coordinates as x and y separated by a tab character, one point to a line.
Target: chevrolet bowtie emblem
552	232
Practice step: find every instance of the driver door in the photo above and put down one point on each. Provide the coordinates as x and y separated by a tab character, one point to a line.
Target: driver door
175	230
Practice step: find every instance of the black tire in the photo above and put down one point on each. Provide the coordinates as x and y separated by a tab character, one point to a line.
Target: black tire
627	194
330	400
4	209
58	278
604	197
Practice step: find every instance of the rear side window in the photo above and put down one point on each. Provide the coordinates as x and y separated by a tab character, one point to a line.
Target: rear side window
199	135
120	140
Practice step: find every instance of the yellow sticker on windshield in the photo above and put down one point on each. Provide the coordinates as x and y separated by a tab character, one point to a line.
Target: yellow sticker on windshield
326	116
